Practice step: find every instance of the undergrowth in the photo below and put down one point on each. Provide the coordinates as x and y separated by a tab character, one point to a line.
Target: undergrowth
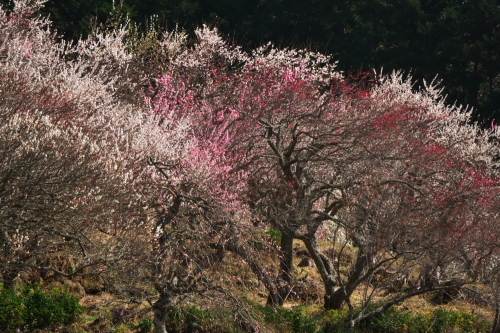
437	321
31	308
316	320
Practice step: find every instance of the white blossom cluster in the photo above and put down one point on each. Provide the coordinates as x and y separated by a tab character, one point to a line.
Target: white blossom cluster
452	124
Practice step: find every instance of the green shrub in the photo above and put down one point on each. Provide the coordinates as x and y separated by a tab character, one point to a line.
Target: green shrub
275	235
49	309
145	325
447	321
443	321
301	322
12	311
288	320
470	322
391	321
335	321
439	321
181	318
34	308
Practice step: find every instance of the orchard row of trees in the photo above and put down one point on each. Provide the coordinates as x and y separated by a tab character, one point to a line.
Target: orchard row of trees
155	164
459	40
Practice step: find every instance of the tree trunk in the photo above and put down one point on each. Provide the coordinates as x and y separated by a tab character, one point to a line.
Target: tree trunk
336	300
325	268
284	279
160	310
496	321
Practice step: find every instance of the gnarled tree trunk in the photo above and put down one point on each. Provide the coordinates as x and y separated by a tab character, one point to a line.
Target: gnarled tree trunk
160	310
335	296
325	267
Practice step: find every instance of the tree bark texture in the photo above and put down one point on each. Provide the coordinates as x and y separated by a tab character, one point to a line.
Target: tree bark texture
284	278
160	310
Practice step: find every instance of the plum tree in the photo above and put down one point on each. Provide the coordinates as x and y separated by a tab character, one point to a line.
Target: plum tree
397	172
88	171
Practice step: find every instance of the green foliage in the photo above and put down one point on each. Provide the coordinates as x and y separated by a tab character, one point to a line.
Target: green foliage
443	320
285	320
48	309
393	321
34	308
275	235
447	321
145	325
181	318
335	321
397	320
76	19
470	322
11	310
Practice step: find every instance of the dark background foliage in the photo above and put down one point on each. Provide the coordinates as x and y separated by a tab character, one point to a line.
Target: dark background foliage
458	40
